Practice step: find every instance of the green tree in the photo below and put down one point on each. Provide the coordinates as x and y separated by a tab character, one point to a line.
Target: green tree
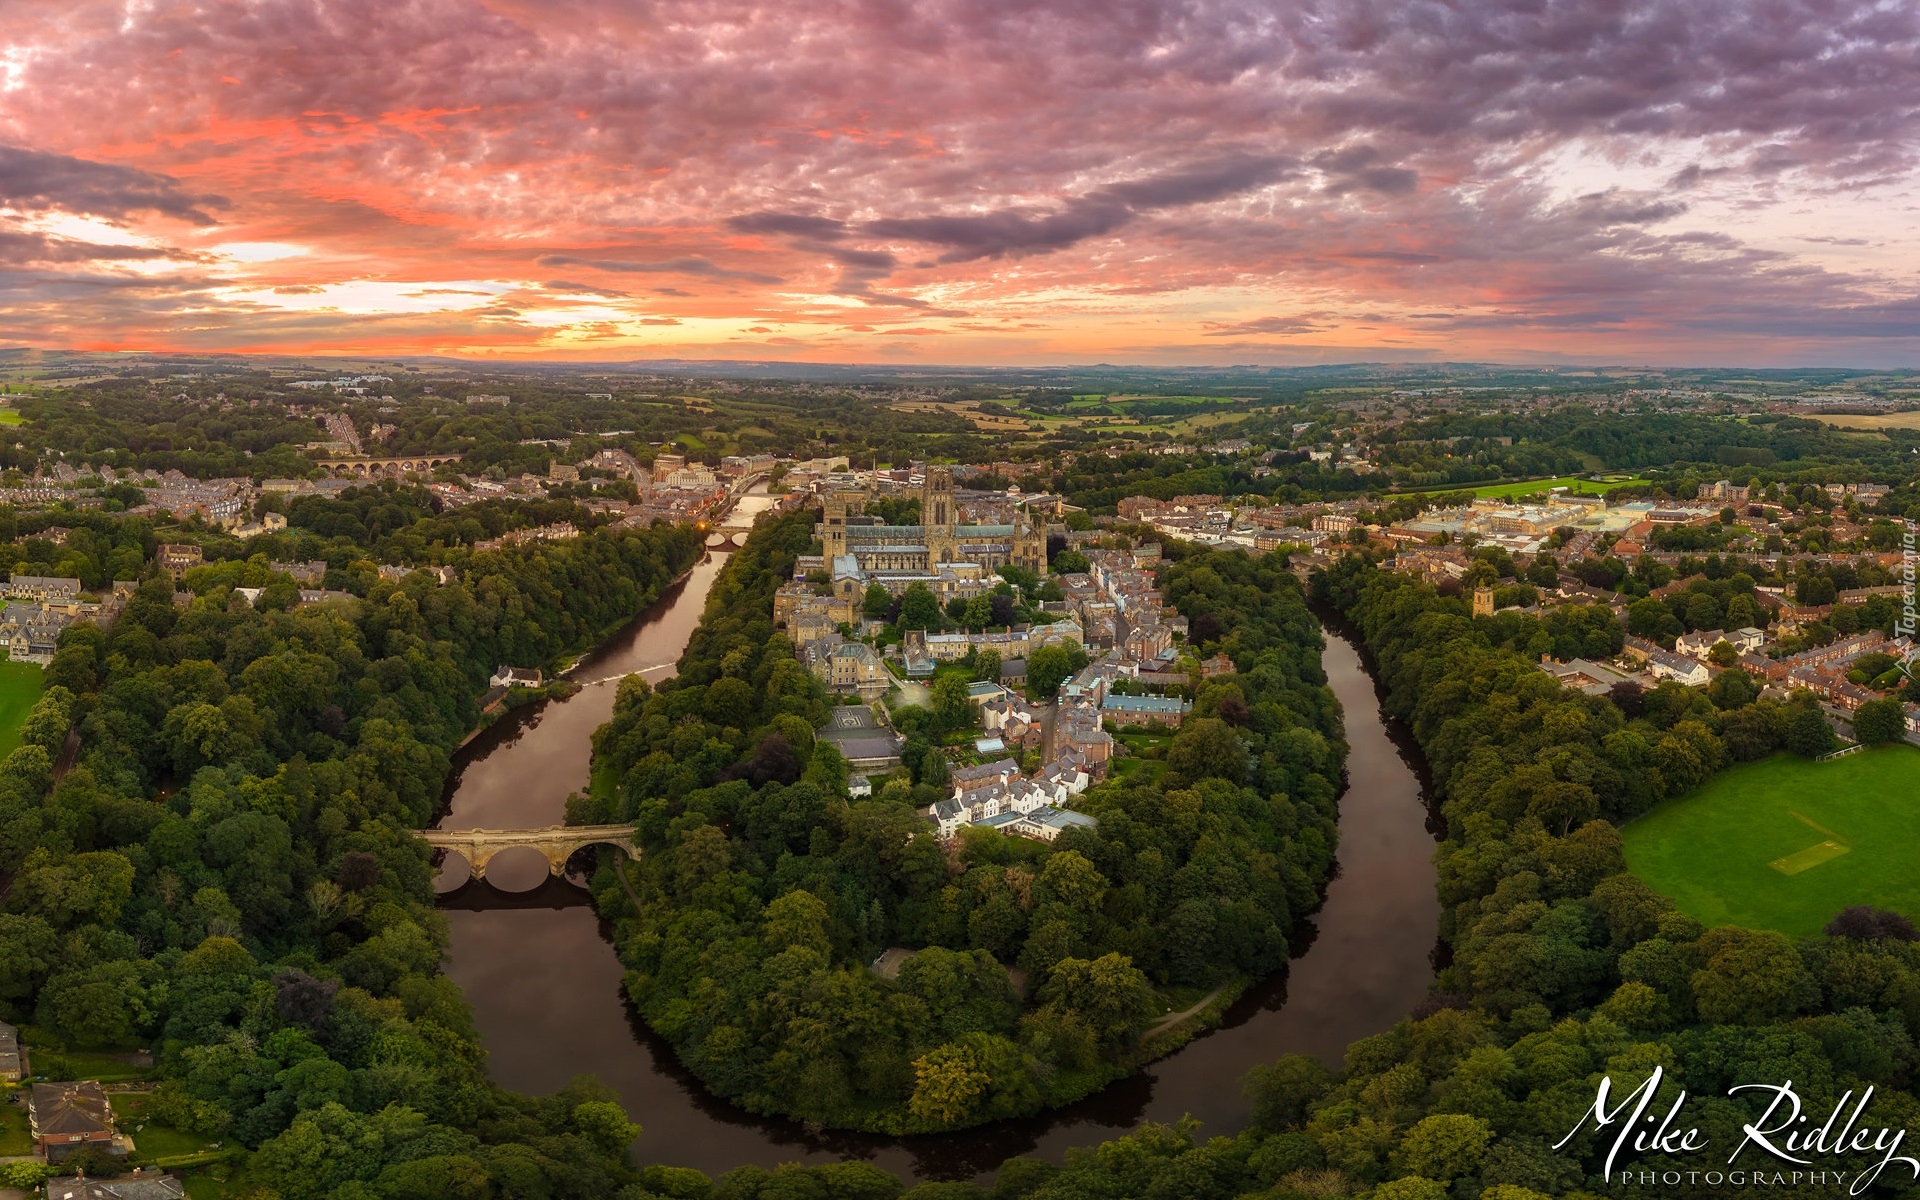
1704	611
605	1124
1879	721
1446	1146
1284	1091
1206	747
1722	654
1808	733
876	602
919	608
1109	993
1050	666
949	1083
986	665
1732	689
1814	590
1751	977
1650	619
979	612
952	707
1069	562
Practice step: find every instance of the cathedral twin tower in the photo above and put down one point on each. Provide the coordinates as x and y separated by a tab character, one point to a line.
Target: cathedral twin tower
939	538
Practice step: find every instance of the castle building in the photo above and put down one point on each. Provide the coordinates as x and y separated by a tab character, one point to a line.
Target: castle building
855	547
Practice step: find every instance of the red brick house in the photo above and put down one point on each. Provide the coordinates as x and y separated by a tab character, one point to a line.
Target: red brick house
67	1116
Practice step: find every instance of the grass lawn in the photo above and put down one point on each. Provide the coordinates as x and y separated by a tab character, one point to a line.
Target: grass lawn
10	417
20	685
15	1136
103	1068
1572	483
1786	843
1122	768
605	783
155	1140
201	1184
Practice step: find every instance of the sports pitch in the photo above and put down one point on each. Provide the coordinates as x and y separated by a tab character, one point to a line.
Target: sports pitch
1785	843
20	685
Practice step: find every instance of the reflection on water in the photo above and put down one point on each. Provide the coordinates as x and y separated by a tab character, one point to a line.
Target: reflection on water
546	987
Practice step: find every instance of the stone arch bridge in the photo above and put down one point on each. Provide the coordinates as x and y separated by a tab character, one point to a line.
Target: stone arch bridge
557	842
368	467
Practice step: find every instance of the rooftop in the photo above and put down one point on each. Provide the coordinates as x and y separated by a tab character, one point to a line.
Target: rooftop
1145	704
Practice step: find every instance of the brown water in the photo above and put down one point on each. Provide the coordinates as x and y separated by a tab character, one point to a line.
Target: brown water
545	984
518	773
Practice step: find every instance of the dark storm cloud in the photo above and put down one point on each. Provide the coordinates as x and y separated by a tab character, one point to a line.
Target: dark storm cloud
687	265
34	180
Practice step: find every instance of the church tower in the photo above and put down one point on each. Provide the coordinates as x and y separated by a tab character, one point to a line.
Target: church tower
1029	543
833	529
939	515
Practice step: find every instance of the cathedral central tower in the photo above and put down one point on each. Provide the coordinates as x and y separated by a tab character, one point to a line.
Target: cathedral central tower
939	514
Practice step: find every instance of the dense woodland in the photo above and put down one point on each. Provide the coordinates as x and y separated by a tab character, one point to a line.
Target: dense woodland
765	894
227	874
1563	964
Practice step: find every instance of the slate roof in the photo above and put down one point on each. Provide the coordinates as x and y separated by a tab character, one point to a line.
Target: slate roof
144	1187
63	1109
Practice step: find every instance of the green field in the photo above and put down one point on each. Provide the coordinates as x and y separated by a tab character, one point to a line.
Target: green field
1785	843
152	1139
9	417
15	1136
20	685
1572	483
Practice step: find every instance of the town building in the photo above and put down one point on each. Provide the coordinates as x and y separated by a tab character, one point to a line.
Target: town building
1699	644
1665	665
42	588
1583	675
176	559
855	667
11	1062
142	1183
1143	710
869	747
67	1116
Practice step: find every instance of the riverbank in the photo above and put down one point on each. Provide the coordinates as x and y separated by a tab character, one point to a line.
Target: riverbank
548	998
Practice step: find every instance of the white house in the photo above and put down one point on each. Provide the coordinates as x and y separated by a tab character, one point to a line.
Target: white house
515	677
948	816
1696	645
1047	823
1689	671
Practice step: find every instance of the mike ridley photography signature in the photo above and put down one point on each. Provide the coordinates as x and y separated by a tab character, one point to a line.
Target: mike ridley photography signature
1784	1132
1904	624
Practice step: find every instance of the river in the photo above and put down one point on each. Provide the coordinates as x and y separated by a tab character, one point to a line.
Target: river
545	985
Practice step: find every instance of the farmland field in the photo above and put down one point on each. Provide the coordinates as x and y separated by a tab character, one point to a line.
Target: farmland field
1572	483
1871	422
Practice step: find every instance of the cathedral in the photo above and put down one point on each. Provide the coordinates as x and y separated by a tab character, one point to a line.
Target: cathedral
855	547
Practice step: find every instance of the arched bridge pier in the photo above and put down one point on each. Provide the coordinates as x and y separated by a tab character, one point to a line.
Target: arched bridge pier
376	468
557	842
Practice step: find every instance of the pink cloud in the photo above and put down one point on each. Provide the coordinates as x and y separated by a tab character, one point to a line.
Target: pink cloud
1556	174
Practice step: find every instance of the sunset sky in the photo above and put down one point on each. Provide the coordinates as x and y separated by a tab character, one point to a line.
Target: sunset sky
965	181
